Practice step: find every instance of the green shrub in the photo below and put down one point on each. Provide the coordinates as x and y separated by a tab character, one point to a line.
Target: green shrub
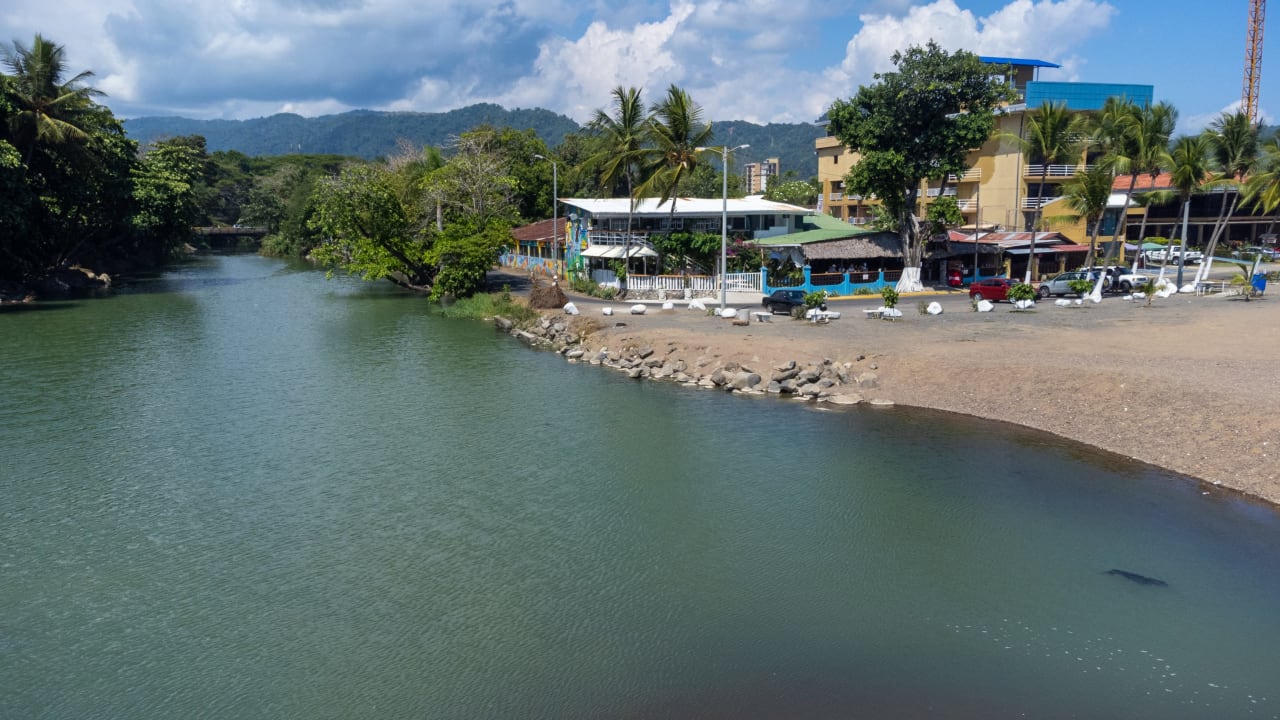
1080	287
890	296
863	291
1022	291
815	298
487	305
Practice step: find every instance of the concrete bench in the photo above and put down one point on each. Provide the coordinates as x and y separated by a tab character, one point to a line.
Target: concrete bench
762	316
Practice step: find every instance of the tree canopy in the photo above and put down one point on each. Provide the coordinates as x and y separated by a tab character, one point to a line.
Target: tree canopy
917	123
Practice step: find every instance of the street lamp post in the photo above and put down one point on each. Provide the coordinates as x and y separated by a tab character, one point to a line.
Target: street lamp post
555	208
724	218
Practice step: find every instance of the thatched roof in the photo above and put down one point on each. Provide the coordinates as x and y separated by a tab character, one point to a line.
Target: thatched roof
877	245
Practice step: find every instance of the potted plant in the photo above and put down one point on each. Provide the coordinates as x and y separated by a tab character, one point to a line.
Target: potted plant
1023	296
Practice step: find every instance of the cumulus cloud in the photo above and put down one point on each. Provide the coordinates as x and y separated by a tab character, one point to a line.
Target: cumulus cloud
761	60
1044	29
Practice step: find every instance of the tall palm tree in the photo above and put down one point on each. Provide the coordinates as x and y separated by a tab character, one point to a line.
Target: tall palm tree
48	106
624	134
1087	194
1135	139
1233	140
1188	169
676	131
1053	137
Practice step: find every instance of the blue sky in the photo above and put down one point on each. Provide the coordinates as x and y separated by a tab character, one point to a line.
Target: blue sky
758	60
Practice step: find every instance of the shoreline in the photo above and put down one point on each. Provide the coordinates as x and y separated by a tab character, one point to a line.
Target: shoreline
1184	385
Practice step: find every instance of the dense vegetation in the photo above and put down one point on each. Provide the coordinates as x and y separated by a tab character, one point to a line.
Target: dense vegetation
75	189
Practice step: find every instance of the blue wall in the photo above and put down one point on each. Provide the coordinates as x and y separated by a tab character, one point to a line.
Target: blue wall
1085	96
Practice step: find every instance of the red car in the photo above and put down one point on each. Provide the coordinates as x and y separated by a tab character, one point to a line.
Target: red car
993	289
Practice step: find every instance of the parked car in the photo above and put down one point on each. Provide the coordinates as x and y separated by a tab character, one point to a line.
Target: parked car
993	289
1174	254
1058	285
783	300
1120	278
1266	253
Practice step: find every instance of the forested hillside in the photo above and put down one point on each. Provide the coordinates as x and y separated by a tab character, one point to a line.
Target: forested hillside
369	134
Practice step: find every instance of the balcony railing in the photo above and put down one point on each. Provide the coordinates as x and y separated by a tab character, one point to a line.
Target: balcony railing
1055	171
970	175
967	205
1032	203
934	192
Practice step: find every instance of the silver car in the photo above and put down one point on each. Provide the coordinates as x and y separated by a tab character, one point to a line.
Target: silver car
1058	285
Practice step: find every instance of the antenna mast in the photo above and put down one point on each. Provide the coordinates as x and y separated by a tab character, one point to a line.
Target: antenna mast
1253	59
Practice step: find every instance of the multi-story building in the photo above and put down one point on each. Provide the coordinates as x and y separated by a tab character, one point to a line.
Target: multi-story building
758	175
1001	190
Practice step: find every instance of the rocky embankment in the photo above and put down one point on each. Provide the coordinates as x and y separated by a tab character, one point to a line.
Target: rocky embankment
823	380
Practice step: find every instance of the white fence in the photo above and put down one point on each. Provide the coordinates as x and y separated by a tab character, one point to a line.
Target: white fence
698	285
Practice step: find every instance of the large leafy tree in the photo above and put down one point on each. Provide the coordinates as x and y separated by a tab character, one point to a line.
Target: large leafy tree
1262	189
431	229
914	124
1053	136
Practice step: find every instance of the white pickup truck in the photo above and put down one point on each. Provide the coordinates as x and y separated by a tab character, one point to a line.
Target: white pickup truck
1193	257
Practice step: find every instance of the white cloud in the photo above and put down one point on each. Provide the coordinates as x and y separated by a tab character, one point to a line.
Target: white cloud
1047	30
761	60
576	76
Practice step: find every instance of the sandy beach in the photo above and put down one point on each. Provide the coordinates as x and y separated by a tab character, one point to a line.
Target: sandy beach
1186	383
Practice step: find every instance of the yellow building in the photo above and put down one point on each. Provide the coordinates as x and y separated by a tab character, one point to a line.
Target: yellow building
1001	190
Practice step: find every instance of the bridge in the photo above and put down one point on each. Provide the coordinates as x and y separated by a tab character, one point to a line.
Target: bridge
233	231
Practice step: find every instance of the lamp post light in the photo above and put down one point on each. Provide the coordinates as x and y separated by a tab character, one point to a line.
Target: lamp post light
555	217
724	217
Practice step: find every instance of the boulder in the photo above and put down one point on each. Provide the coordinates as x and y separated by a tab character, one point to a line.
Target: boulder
985	306
570	309
697	305
606	310
637	309
933	309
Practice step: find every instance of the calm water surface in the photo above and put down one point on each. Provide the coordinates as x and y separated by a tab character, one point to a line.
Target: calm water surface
239	490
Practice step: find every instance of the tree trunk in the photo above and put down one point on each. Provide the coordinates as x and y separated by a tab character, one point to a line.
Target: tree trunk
909	236
1224	219
1035	224
1096	295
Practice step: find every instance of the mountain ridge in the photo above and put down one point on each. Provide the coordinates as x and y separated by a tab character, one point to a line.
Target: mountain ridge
375	133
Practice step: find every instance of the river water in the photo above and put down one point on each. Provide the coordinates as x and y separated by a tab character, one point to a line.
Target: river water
239	490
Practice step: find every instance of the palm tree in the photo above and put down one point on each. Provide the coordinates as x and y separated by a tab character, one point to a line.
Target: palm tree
1053	136
624	134
676	131
1262	189
1189	166
48	107
1135	139
1233	139
1087	194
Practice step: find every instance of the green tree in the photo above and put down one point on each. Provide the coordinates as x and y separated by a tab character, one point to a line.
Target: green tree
1135	139
1188	170
1053	137
49	108
1086	194
1233	140
795	192
622	136
916	123
675	132
164	192
1262	189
